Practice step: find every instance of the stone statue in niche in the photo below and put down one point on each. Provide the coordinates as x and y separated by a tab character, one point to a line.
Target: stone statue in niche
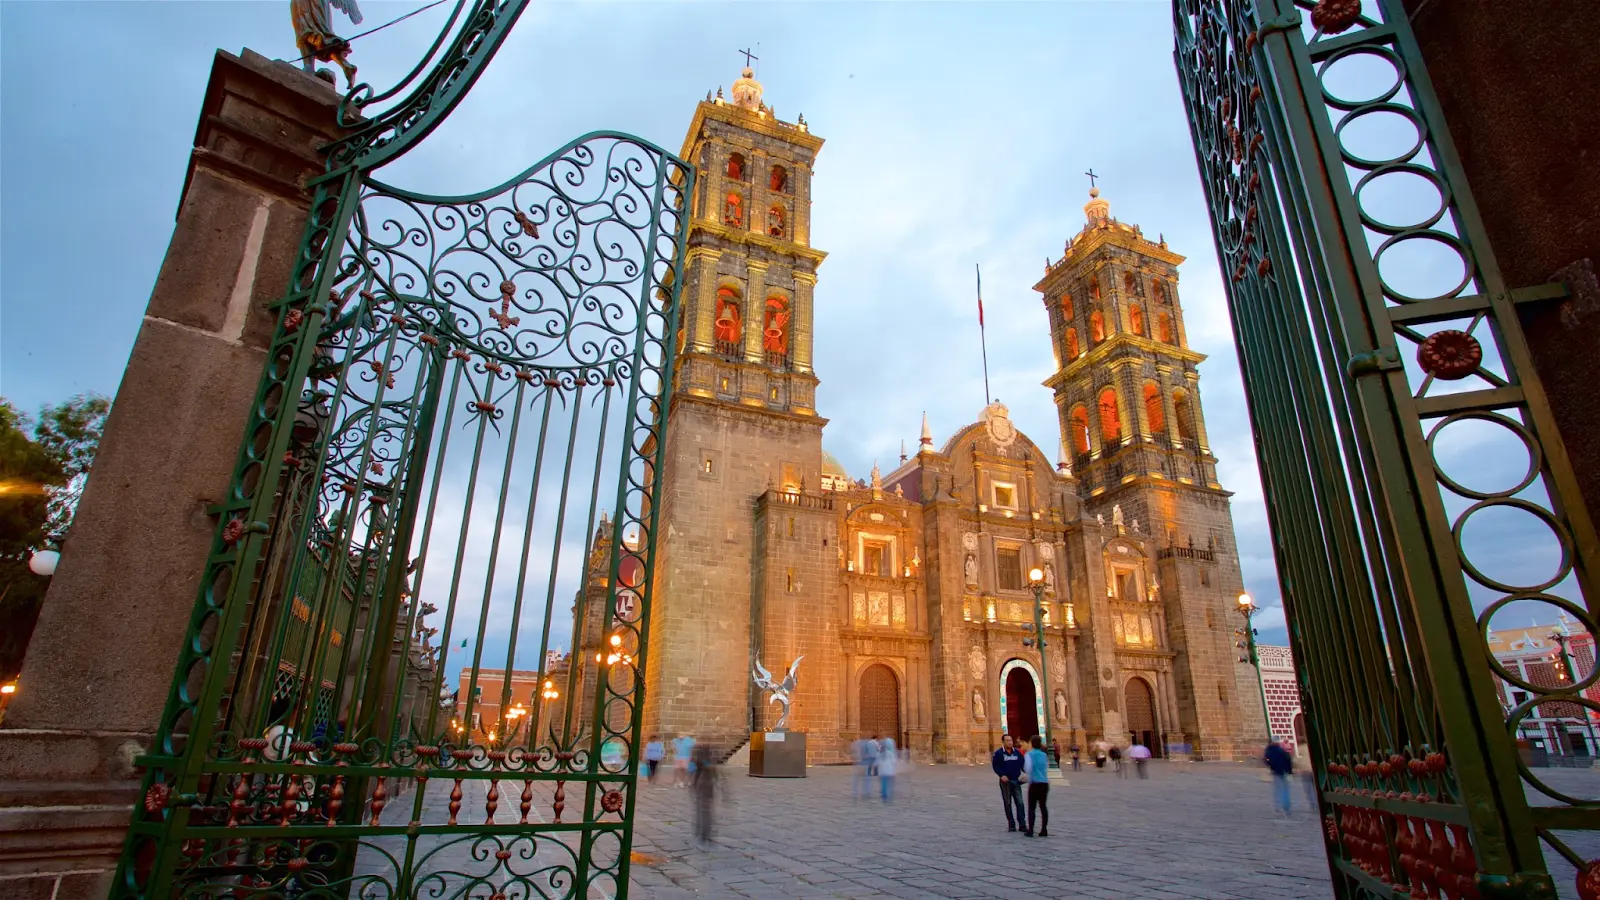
1049	577
1061	707
1100	519
1135	527
1116	515
977	705
971	568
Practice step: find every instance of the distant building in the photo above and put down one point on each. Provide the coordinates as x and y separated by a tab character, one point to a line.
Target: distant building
1563	732
1282	691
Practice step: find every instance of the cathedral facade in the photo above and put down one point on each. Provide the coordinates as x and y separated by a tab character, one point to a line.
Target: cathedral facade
906	595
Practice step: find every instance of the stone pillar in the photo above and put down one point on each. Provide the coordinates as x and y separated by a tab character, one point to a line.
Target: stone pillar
804	322
1164	381
703	302
800	174
1192	380
756	312
101	661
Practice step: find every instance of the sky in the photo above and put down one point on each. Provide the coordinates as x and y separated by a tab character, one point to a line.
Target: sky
957	134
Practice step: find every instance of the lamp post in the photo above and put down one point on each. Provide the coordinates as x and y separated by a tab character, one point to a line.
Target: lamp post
1570	675
1036	581
1248	608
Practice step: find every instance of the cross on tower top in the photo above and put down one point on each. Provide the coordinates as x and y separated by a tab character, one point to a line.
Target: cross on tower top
1092	177
748	56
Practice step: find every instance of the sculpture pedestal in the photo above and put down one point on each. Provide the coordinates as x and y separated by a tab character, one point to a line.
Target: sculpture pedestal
778	754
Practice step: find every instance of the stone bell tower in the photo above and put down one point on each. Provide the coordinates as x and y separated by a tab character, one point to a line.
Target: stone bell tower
1128	394
743	418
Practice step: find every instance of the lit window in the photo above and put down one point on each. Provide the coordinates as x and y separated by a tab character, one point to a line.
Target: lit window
1005	495
875	558
1008	568
788	579
706	466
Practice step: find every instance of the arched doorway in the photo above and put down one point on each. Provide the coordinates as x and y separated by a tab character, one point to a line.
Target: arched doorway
1140	702
880	702
1022	703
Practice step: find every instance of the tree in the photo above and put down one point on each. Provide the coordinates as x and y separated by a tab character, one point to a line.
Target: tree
41	478
70	433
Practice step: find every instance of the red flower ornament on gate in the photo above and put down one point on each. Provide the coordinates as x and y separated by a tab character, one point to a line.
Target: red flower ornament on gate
1450	355
1334	16
611	801
155	799
1589	881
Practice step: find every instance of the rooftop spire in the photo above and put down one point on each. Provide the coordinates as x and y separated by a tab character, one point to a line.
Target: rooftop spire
747	91
927	435
1097	209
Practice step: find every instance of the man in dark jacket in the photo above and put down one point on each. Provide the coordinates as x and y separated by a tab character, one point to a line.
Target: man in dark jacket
1282	765
1007	763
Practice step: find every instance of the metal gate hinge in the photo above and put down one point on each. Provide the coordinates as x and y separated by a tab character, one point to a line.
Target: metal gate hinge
1286	22
1383	359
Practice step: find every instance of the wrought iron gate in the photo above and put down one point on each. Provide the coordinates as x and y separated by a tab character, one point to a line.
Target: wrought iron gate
1360	371
456	432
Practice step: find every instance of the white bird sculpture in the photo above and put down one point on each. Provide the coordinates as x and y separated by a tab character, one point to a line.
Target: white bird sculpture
780	690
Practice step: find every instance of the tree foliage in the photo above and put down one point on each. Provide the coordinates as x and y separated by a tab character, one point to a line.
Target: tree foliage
70	433
29	474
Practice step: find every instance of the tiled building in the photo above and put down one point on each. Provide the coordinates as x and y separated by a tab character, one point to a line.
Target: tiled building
907	594
1535	656
1282	690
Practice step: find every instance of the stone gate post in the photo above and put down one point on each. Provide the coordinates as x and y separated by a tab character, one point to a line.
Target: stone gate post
101	660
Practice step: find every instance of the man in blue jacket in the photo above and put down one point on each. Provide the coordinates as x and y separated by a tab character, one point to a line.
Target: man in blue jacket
1007	763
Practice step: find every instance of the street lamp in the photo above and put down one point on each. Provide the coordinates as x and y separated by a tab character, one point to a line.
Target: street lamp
1248	608
1036	581
515	714
43	562
1570	675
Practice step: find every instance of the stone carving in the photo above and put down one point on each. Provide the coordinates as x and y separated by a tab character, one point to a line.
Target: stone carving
1116	515
1049	577
1061	707
780	690
977	705
1047	550
998	419
313	34
1135	527
969	541
1100	519
747	90
971	568
1058	667
976	661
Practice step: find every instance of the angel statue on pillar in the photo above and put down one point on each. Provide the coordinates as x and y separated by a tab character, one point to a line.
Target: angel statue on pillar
313	34
781	691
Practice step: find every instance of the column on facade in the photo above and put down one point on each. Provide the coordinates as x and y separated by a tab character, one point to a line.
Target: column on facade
1164	382
755	312
1192	383
1178	330
1170	702
800	177
1140	415
1123	380
1092	413
852	716
1074	690
759	201
702	311
802	323
715	174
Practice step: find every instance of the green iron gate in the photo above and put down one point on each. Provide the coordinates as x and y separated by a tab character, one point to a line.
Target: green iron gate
456	432
1374	329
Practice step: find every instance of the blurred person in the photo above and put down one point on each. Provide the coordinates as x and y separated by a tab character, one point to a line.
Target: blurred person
1140	754
1036	769
1100	750
1281	765
860	779
1077	759
654	753
1116	762
703	788
682	749
1007	764
888	767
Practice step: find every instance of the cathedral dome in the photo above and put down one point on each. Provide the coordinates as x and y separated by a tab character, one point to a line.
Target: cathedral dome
832	466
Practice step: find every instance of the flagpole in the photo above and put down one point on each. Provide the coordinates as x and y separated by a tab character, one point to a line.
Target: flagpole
982	339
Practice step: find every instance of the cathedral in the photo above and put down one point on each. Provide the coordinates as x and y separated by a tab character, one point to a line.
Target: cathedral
907	595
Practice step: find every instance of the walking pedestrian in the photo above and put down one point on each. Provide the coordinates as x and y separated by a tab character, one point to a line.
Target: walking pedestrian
1281	764
1007	764
682	749
860	781
654	753
703	787
1077	760
1100	749
1116	762
1140	754
1036	768
871	750
888	767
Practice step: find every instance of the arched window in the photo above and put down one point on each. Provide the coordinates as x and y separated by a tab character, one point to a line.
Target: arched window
729	328
1161	292
733	210
779	179
1136	319
1094	290
1078	430
1066	306
1072	343
775	221
775	332
1183	409
1131	286
1164	327
1110	421
1097	328
736	167
1153	412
